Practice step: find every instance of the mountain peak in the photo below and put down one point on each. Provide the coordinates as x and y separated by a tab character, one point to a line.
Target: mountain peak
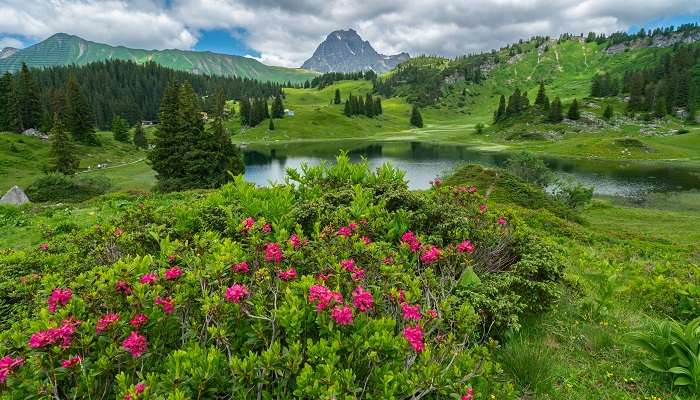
346	51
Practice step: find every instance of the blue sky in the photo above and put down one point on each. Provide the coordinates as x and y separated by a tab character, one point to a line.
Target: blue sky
225	41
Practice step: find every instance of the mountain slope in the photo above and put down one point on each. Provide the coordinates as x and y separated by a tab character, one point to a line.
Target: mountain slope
345	51
63	49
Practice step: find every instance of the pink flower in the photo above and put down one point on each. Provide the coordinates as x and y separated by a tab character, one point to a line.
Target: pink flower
469	395
135	344
322	277
401	296
287	275
173	273
236	293
273	252
411	312
432	313
323	297
138	321
411	240
44	247
483	208
414	336
358	275
248	223
465	246
118	232
388	260
436	182
362	299
348	264
166	303
501	221
294	241
240	267
59	296
430	256
473	189
171	259
139	388
148	278
267	228
344	231
104	322
8	365
352	226
366	240
342	315
62	335
122	287
71	362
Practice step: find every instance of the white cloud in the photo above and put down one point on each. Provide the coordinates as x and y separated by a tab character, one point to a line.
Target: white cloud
10	42
286	32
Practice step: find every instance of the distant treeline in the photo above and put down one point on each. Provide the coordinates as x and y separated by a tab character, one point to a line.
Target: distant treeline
133	91
329	78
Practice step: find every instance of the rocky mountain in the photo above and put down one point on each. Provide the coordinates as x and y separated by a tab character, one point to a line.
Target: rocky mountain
345	51
64	49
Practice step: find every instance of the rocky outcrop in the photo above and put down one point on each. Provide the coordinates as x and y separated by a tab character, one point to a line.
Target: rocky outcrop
14	196
345	51
659	40
7	52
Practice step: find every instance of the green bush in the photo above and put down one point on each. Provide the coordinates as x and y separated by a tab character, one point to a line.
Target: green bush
530	168
56	187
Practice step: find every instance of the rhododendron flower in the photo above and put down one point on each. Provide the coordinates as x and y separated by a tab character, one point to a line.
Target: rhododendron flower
138	321
469	395
366	240
342	315
122	287
148	278
240	267
104	322
248	223
501	221
344	231
59	296
436	182
118	232
401	296
465	246
62	335
273	252
358	275
236	293
323	297
411	240
352	226
71	362
139	388
414	336
431	313
388	260
348	264
44	247
430	256
7	365
322	277
287	275
171	259
267	228
166	303
411	312
362	299
173	273
294	241
135	344
473	189
483	208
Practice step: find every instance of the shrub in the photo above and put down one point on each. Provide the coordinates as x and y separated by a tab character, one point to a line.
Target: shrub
573	194
55	187
530	168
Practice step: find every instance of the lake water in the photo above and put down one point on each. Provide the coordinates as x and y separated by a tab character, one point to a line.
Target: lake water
424	161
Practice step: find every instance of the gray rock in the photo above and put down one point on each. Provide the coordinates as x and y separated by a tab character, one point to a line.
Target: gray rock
14	196
35	133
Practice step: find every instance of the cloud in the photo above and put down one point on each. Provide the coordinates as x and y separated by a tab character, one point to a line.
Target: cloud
10	42
286	32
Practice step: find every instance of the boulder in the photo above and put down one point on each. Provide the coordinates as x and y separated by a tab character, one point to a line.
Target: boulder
14	196
35	133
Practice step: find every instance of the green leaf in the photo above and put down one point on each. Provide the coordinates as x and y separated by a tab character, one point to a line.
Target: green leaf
654	365
469	279
682	381
679	371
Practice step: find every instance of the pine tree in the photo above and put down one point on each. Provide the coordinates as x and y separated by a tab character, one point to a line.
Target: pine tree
378	106
225	155
608	113
277	107
244	112
541	95
369	106
62	151
348	107
545	104
360	110
78	115
636	101
120	129
8	112
555	111
271	125
336	100
692	102
140	136
501	111
416	118
27	103
574	112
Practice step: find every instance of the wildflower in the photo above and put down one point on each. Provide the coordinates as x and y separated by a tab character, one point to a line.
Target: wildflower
352	226
267	228
401	298
122	287
59	296
118	232
166	303
135	344
248	223
436	182
62	335
483	208
362	299
171	259
287	275
173	273
388	260
71	362
7	365
44	247
294	241
140	388
344	231
460	189
138	321
411	240
366	240
358	275
414	336
322	277
273	252
430	256
104	322
411	312
148	278
501	221
240	267
236	293
469	395
431	313
342	315
323	297
348	265
465	246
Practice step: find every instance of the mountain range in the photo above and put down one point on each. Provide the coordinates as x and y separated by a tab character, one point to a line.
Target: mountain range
64	49
345	51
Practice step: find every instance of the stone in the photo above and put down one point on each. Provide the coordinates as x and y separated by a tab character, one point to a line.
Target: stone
35	133
14	196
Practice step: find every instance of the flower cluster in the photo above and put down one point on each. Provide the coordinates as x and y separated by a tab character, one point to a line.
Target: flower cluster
430	256
294	241
358	274
465	246
346	231
173	273
411	240
71	362
138	321
166	303
122	287
135	344
240	267
414	336
61	335
248	224
59	296
104	322
273	253
342	315
7	365
411	312
362	299
288	274
469	395
323	297
236	293
148	278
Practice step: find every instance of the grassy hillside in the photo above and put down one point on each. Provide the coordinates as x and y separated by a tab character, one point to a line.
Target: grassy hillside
63	49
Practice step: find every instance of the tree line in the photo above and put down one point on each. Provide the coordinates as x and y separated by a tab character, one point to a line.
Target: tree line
369	107
329	78
255	110
518	103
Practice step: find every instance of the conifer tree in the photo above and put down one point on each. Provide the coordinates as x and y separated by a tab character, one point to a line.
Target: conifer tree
545	104
26	98
574	112
140	136
120	129
271	125
8	112
336	100
555	111
266	109
541	95
62	151
636	101
501	111
692	102
369	106
360	110
225	155
278	107
608	113
244	112
378	106
416	118
77	114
